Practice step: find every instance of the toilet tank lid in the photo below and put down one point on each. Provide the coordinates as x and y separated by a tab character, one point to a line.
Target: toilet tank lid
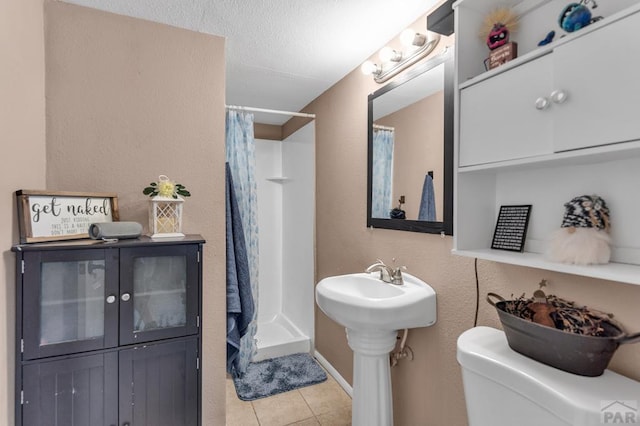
485	351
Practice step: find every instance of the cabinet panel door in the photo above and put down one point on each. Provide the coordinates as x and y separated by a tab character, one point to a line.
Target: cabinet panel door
159	384
66	303
76	391
158	292
499	119
599	74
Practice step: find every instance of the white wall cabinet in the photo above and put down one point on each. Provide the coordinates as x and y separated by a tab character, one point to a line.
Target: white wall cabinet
564	100
599	74
557	122
498	117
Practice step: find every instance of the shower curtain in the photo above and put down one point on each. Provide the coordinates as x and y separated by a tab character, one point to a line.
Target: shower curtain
240	145
382	180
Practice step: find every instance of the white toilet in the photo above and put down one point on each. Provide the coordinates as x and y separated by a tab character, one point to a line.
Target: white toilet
505	388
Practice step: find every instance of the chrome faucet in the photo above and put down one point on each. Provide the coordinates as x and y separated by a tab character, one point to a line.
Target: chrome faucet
387	274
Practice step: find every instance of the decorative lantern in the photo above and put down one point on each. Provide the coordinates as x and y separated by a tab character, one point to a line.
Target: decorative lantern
165	217
165	212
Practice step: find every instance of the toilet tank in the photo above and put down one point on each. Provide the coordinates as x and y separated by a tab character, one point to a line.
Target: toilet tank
505	388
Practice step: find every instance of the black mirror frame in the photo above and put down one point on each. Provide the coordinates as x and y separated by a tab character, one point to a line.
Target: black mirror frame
446	226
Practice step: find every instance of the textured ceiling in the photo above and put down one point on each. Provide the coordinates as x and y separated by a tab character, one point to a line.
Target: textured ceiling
282	54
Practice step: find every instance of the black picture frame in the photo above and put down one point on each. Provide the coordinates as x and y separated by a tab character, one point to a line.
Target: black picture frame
511	228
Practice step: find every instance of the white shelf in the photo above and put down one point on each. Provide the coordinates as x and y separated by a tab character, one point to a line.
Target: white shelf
278	179
75	301
596	154
621	272
518	174
153	293
522	7
509	65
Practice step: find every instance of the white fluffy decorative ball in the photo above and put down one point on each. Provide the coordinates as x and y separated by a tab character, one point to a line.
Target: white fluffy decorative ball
581	246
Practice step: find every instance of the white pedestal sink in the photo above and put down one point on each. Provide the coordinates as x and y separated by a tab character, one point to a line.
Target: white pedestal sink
372	311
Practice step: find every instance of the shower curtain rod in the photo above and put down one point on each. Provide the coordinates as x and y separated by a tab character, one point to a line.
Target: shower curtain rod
270	111
379	127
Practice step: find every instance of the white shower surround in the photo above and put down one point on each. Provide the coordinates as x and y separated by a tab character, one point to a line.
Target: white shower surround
285	174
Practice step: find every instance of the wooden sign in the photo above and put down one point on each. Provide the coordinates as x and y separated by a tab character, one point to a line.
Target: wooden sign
503	54
62	215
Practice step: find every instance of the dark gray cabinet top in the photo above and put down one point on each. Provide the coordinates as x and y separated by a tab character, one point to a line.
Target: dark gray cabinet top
142	241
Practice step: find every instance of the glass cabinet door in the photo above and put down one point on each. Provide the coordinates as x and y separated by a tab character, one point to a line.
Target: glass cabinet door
69	301
158	293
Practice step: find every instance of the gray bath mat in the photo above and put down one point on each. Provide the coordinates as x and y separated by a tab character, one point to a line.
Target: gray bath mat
277	375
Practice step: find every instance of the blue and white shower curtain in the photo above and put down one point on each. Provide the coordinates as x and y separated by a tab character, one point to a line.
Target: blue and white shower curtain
240	144
382	180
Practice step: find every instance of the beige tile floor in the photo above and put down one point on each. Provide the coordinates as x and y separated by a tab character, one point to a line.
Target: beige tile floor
325	404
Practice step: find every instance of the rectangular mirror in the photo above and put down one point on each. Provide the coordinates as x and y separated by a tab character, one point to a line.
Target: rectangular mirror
410	160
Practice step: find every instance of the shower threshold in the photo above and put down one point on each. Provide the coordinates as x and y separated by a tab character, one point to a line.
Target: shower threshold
278	336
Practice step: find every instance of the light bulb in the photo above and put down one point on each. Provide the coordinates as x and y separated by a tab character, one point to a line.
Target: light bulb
387	54
369	68
409	37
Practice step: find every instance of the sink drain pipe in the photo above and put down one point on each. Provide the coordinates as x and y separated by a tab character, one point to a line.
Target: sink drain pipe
403	351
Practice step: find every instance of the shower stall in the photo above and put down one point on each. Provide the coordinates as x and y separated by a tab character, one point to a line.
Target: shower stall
285	175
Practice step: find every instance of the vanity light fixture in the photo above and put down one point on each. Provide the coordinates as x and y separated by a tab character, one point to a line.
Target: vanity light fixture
393	61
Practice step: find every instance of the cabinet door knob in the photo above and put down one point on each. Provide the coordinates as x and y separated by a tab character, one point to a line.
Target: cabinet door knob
125	297
111	298
542	103
559	96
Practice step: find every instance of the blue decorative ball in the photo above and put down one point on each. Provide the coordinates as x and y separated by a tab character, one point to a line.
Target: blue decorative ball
574	17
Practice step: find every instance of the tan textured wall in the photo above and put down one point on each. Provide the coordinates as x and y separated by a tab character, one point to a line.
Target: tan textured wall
128	100
344	245
418	148
267	131
428	390
149	131
22	136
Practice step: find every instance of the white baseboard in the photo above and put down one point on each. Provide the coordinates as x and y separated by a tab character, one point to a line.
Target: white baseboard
334	373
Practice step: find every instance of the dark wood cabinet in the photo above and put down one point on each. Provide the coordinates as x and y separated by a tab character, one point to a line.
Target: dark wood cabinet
74	391
158	384
109	333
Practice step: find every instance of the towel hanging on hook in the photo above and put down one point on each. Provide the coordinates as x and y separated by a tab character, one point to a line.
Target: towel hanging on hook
427	203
